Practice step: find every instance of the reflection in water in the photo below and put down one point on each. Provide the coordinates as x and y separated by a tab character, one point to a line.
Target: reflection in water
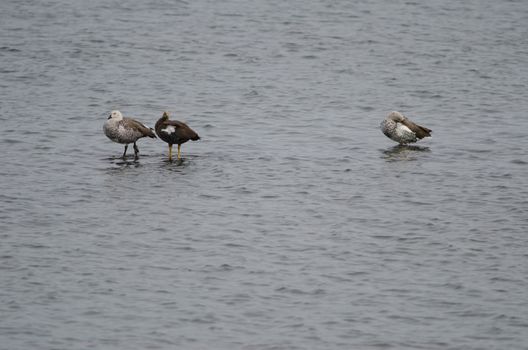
403	152
127	163
123	162
117	165
296	223
175	164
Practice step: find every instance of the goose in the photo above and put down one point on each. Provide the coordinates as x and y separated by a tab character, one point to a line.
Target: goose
400	129
174	132
125	131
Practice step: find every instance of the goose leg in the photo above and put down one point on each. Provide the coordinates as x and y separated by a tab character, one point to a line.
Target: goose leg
136	151
179	153
124	153
170	152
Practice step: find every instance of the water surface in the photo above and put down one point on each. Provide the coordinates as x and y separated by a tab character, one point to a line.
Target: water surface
294	223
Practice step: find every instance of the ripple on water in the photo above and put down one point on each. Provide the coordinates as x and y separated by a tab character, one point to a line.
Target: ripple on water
294	223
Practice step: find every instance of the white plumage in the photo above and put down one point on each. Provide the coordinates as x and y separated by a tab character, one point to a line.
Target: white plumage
125	130
169	129
400	129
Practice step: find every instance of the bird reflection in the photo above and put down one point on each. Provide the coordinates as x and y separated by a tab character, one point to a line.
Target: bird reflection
177	165
180	163
122	162
403	152
118	165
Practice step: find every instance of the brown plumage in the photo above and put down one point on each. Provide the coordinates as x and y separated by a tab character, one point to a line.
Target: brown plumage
400	129
174	133
126	130
420	131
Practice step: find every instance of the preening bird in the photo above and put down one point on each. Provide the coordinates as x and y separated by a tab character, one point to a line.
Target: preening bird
174	133
126	130
400	129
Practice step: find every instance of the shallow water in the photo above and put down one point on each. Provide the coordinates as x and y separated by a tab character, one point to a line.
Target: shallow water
294	223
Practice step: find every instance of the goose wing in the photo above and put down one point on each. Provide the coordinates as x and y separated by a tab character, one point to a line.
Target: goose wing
140	127
175	123
183	130
420	131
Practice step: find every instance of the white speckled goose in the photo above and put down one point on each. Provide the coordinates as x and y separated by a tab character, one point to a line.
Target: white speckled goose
400	129
126	130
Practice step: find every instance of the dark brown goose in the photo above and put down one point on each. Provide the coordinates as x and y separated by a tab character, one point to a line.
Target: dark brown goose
174	133
126	130
400	129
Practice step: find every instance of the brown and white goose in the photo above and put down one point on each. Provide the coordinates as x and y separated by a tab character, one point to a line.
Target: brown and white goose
126	130
400	129
174	133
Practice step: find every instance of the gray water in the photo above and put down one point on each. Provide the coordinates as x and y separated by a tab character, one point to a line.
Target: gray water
294	223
